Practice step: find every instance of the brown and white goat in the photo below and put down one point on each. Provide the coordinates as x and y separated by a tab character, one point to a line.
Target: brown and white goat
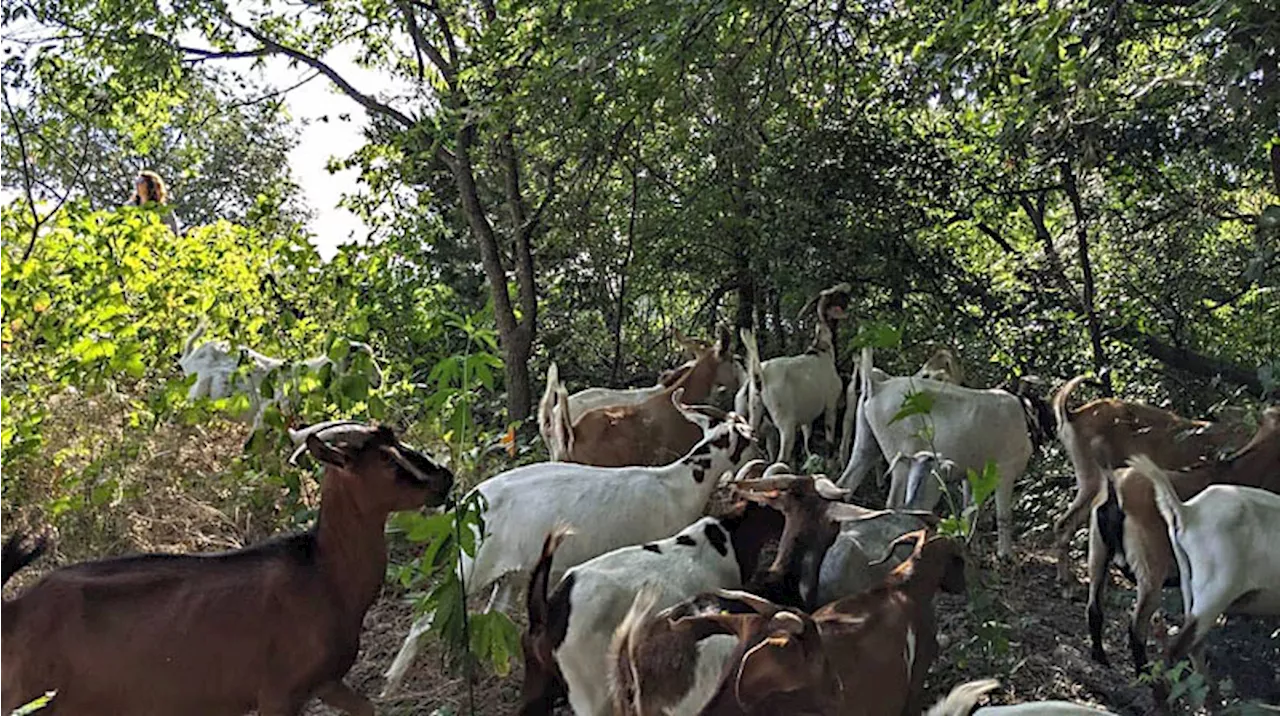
572	625
1100	435
649	433
729	375
828	547
1126	525
267	627
664	664
865	654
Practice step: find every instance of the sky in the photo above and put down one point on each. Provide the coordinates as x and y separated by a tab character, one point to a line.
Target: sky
318	141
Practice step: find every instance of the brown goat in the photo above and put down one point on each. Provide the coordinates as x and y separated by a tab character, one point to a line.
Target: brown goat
648	433
1101	435
1126	525
266	627
865	654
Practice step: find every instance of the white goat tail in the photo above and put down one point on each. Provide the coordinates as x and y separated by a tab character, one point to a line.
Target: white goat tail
963	698
201	327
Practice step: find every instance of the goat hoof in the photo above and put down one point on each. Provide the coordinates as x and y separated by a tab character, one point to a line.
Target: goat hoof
1100	657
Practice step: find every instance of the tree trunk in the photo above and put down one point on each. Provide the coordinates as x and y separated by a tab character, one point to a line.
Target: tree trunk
1086	268
1275	166
620	311
516	339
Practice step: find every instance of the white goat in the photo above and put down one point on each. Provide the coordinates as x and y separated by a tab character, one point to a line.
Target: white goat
968	426
576	623
794	390
963	698
217	367
610	508
942	366
1224	540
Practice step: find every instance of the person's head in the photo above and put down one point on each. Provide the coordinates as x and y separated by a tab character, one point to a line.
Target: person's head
150	187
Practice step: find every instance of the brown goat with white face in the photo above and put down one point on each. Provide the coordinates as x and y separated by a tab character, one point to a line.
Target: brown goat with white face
1127	526
267	627
1100	435
866	654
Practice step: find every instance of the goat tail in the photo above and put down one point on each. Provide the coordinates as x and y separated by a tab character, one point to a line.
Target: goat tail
1170	506
963	698
190	343
1060	411
16	555
752	348
624	682
540	578
1167	500
548	396
865	370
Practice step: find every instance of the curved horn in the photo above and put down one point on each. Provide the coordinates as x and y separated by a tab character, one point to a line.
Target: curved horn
828	490
778	468
751	470
299	437
757	604
328	431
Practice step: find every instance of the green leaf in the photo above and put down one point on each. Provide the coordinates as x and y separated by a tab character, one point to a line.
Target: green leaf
877	335
983	485
35	705
914	403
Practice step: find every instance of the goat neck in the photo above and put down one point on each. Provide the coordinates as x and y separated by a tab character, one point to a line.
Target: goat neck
351	540
1251	466
697	381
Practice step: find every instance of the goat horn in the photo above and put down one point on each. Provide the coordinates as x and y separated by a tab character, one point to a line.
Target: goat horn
757	604
750	471
328	431
778	468
299	437
918	536
829	491
777	482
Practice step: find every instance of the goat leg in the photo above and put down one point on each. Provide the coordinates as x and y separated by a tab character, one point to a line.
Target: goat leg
340	696
1065	527
408	652
1098	559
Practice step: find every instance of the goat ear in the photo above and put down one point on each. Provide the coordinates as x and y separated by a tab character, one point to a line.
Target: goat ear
328	454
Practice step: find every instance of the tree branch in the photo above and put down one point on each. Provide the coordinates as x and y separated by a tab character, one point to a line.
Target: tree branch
205	55
27	181
421	46
368	102
994	236
1189	360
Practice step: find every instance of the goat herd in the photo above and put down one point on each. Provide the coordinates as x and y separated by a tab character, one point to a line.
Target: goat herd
787	598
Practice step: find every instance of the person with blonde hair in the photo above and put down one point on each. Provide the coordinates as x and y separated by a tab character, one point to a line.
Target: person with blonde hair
149	188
